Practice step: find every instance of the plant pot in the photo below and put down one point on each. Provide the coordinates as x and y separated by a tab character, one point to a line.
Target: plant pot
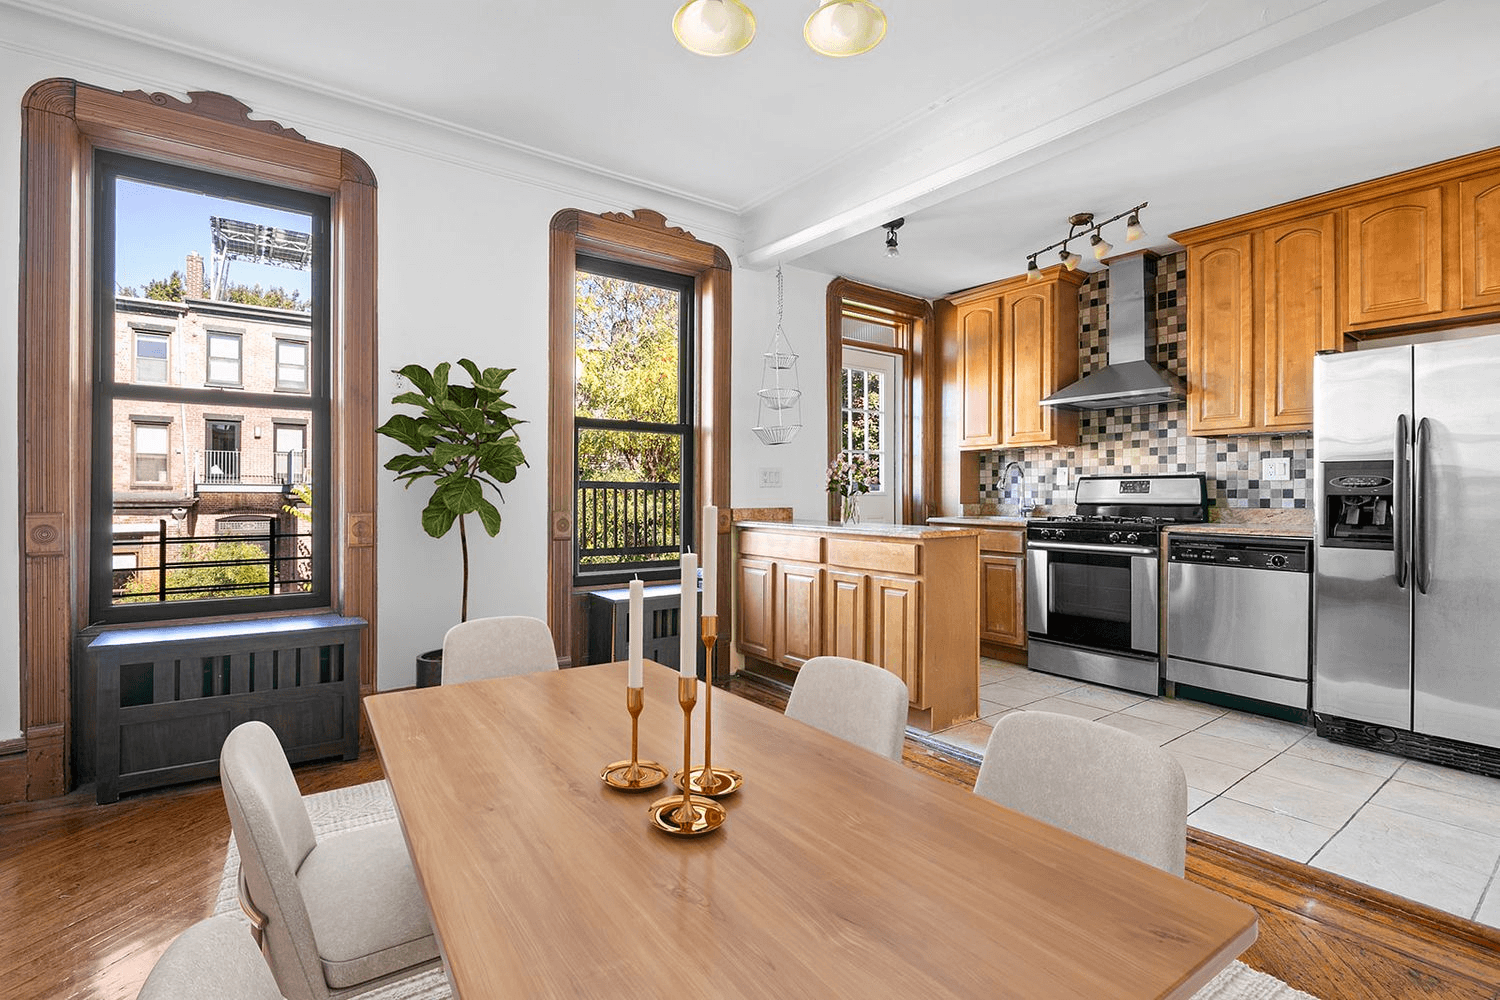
430	668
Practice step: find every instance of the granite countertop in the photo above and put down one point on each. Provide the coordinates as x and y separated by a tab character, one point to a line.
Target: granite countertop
902	531
1269	529
982	520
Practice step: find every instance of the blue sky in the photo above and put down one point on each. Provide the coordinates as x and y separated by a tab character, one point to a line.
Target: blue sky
156	227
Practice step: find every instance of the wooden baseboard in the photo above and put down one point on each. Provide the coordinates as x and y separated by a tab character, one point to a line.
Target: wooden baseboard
1010	654
46	758
13	776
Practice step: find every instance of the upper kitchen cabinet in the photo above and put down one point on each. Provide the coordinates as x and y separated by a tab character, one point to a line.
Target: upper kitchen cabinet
977	328
1221	337
1007	345
1299	316
1039	355
1479	241
1393	258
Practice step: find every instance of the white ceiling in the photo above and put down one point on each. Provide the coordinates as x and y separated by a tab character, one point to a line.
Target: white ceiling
985	124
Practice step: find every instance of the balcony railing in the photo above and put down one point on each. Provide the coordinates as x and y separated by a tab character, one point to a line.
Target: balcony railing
639	524
192	567
219	469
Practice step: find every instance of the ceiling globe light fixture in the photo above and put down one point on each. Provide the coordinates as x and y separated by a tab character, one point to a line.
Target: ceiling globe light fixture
1083	223
843	28
891	249
714	27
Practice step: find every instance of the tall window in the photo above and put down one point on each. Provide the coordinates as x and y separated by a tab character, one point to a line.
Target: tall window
164	488
633	441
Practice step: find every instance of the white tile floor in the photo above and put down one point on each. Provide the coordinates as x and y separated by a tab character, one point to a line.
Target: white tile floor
1424	832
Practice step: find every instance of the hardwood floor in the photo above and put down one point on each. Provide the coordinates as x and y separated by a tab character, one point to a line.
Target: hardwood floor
91	895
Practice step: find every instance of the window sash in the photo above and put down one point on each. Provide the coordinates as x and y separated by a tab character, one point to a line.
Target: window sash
291	365
224	358
151	366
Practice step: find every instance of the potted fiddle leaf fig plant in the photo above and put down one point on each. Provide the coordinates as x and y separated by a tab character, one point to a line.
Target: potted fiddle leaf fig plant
463	438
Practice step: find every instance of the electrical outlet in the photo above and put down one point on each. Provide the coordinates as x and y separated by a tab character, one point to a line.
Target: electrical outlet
1062	477
770	479
1276	470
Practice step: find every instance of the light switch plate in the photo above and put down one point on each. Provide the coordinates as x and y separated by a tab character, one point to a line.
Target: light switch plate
1276	470
770	479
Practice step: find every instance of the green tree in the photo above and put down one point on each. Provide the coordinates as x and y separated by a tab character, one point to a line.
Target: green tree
626	351
214	576
274	297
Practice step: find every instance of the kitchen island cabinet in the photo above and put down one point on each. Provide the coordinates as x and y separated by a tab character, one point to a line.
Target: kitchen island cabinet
1002	584
904	597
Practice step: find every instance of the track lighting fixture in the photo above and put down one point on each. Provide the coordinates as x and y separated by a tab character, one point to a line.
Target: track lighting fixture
891	249
836	28
1083	223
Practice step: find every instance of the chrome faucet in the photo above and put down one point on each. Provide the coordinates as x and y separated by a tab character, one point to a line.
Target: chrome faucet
1021	483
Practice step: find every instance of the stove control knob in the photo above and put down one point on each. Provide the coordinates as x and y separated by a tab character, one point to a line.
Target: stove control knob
1114	536
1276	561
1132	538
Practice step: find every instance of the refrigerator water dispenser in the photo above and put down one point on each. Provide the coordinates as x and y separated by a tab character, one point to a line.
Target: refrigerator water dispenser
1360	511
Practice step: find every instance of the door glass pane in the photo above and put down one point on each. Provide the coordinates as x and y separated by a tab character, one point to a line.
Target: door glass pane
857	389
626	349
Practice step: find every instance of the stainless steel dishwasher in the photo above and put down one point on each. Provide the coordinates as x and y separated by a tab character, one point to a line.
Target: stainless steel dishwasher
1239	612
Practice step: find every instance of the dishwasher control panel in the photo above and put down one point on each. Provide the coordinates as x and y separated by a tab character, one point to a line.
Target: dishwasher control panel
1286	556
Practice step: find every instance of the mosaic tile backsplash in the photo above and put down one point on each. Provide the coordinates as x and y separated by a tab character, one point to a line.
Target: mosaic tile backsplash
1149	440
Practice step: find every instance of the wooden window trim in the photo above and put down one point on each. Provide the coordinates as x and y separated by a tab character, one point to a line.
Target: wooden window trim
918	391
643	237
63	124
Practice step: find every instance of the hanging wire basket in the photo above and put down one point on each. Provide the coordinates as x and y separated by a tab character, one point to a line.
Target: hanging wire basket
780	397
773	396
777	433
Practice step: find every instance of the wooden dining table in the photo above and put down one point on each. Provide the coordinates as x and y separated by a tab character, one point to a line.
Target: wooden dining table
837	872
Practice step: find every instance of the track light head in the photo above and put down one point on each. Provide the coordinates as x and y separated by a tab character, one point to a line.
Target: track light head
1133	230
1069	260
1033	273
891	249
1100	245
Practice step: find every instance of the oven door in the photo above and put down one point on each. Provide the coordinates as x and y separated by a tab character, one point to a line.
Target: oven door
1101	597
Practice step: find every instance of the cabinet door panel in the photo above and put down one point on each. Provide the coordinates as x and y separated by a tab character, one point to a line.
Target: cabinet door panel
979	373
1393	263
1002	607
753	614
1026	365
846	617
1299	317
895	624
1479	241
1220	337
797	622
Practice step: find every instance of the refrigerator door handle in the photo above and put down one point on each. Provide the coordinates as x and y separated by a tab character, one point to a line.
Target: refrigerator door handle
1402	497
1419	568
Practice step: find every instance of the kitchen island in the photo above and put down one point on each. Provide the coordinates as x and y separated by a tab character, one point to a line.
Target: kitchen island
905	597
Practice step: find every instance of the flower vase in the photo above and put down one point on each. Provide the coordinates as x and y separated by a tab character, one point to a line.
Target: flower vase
851	509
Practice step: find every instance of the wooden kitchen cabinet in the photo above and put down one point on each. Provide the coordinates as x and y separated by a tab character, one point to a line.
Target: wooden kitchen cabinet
903	597
796	623
1007	346
978	331
1479	241
1299	317
846	613
1221	337
1002	599
1393	258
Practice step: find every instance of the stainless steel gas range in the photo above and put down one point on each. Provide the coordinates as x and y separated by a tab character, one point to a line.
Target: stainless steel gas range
1093	597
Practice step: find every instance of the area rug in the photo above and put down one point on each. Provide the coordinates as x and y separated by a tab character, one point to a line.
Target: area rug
345	809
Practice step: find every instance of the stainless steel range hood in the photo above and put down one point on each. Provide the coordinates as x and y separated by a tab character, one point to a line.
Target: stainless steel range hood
1128	379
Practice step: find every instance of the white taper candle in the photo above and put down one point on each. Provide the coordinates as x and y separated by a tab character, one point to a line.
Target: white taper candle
687	620
637	640
710	550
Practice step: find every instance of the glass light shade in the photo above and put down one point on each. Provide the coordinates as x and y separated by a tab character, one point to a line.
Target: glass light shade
1033	273
1101	248
1133	230
1070	260
714	27
844	28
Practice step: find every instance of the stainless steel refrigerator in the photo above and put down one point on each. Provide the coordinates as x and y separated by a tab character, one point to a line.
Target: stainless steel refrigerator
1407	501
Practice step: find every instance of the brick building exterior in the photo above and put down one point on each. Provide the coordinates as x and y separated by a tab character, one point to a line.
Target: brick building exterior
218	470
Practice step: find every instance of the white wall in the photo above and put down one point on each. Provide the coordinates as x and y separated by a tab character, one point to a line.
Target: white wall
463	228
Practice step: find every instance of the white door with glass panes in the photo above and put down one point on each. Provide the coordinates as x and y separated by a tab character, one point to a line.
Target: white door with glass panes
869	425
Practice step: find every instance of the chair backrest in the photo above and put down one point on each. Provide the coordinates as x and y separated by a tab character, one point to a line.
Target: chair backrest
497	647
274	837
853	700
1094	780
212	960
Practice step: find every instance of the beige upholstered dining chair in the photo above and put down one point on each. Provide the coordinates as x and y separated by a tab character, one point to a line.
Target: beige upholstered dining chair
497	647
335	914
1099	782
853	700
212	960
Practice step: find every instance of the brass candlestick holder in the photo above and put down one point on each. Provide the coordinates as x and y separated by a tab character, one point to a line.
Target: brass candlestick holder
687	815
709	780
634	775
